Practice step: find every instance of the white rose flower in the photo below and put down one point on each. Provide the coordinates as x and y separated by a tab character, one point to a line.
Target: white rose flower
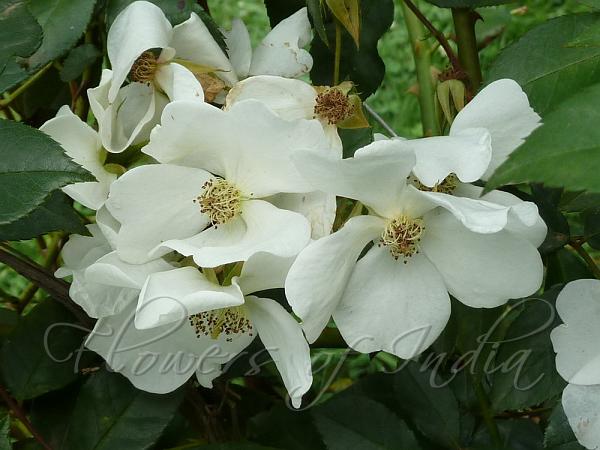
426	245
578	358
186	324
126	114
292	100
82	143
247	151
482	136
103	284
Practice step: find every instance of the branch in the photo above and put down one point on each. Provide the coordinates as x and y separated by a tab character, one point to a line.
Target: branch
58	289
422	57
437	34
20	414
380	120
468	51
8	100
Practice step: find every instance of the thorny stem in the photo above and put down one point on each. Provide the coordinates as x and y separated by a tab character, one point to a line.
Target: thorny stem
468	51
437	34
11	97
338	53
20	414
422	58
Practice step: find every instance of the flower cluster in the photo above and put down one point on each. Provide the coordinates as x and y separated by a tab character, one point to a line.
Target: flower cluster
234	193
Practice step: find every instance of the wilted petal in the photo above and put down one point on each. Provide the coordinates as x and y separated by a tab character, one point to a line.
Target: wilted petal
281	51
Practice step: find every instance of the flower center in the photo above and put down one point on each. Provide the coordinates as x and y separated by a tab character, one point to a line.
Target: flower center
220	201
144	68
402	236
230	321
333	106
447	186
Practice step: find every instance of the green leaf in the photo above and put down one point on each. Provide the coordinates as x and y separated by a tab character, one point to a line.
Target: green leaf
20	35
55	214
4	432
283	428
317	15
347	12
63	22
467	3
111	414
358	422
33	363
545	66
432	410
353	139
588	37
515	434
229	446
31	166
77	60
559	231
559	435
8	321
564	266
591	227
564	151
579	201
594	4
525	371
364	67
51	414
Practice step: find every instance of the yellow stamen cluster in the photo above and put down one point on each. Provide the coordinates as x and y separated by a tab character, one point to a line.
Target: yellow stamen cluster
220	201
144	68
333	106
402	236
447	186
229	321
